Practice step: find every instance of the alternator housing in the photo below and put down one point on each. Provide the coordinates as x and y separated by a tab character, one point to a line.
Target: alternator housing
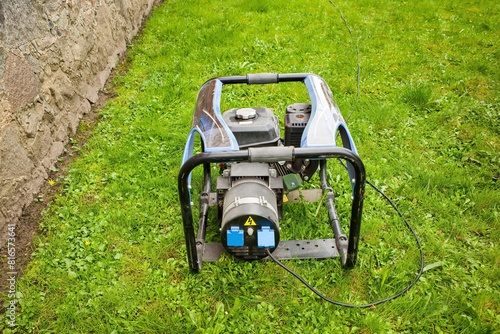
251	209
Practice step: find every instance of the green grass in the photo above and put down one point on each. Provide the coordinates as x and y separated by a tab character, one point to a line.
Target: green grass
111	258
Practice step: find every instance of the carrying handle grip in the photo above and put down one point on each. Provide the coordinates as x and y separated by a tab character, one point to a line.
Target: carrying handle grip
262	78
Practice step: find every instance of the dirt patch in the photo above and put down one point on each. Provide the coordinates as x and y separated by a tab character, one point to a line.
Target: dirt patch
28	226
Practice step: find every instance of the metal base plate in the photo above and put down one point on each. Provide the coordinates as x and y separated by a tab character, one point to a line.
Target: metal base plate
286	250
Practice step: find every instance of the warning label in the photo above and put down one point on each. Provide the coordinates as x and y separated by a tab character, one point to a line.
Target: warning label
250	221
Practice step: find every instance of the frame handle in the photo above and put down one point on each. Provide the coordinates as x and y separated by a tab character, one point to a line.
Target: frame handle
262	78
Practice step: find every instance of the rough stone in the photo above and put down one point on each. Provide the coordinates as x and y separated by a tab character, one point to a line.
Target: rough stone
2	60
40	145
55	56
4	114
3	221
20	81
6	187
23	19
32	120
14	160
61	133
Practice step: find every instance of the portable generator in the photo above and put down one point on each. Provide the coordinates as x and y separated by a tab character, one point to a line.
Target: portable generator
258	167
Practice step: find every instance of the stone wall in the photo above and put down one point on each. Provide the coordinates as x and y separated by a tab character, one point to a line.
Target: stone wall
55	55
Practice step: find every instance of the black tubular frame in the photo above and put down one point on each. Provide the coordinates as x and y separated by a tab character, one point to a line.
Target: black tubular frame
194	244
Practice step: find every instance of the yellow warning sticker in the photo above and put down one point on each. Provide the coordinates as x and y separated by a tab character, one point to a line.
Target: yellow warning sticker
250	221
285	199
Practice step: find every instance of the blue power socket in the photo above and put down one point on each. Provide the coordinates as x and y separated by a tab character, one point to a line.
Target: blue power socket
235	236
265	237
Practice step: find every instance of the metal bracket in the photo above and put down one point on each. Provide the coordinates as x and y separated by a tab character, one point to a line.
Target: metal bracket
286	250
212	199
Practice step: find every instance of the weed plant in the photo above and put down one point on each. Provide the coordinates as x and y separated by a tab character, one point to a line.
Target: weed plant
111	258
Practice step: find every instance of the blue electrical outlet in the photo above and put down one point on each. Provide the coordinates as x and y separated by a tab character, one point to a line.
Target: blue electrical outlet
235	236
265	237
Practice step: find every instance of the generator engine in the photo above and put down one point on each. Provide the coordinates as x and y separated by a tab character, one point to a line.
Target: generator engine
250	195
258	166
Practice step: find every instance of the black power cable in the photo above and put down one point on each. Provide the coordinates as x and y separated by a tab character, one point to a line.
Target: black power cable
378	301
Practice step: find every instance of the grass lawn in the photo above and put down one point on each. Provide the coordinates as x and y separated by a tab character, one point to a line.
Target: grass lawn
110	256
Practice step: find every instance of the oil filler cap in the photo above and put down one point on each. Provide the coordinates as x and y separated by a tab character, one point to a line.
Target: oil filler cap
245	113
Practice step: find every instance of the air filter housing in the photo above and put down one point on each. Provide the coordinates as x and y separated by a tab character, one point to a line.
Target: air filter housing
253	127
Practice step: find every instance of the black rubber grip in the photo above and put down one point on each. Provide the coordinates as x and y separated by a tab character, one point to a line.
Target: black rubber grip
270	154
262	78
